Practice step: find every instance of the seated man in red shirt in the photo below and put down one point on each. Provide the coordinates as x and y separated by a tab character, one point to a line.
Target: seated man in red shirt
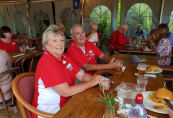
85	53
6	42
118	38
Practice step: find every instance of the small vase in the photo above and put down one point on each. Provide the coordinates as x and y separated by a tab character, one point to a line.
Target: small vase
108	113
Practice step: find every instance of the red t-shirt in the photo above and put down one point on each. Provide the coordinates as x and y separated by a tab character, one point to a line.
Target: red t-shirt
118	40
51	72
9	47
80	58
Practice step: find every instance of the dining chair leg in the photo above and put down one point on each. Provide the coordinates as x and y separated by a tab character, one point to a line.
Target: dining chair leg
3	100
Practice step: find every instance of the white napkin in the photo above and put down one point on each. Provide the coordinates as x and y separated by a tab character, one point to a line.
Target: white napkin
146	75
123	68
17	55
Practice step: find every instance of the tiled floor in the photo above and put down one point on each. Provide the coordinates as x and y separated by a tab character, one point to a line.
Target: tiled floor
3	114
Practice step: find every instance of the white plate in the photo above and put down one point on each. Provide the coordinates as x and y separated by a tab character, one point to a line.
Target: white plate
159	70
148	103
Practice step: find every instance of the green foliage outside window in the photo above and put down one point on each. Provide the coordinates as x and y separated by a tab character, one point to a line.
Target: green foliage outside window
139	13
102	16
171	23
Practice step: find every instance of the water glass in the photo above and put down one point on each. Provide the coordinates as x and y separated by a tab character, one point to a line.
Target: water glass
141	84
104	85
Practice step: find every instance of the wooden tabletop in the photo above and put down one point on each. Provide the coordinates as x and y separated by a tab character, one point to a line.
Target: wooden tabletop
82	105
137	52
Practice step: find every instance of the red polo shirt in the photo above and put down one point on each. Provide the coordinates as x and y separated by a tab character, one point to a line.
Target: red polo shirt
9	47
81	58
51	72
118	40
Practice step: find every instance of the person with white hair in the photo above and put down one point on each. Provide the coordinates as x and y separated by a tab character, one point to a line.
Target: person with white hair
140	33
93	36
118	39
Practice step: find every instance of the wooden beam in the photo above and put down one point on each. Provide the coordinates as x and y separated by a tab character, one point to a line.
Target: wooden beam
161	12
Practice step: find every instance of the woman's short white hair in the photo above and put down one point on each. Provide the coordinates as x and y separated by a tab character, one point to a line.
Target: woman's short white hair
51	29
94	26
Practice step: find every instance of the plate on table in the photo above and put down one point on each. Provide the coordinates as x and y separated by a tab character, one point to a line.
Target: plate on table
153	69
149	104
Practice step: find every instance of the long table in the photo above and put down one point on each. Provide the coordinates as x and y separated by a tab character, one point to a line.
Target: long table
82	105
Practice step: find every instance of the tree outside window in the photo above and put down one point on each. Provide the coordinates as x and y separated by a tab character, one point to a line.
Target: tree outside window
139	13
171	22
102	16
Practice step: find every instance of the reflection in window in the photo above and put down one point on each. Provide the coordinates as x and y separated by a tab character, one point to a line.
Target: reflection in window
102	16
139	13
41	22
2	20
18	21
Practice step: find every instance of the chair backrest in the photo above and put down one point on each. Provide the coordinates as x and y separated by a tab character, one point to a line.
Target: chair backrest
23	88
26	63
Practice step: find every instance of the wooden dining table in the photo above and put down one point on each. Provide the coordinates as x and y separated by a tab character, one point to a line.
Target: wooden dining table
137	52
82	104
16	55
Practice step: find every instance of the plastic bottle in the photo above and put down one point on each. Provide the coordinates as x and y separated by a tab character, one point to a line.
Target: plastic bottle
138	110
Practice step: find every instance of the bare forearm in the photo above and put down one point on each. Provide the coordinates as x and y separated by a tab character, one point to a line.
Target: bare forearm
94	67
105	58
66	90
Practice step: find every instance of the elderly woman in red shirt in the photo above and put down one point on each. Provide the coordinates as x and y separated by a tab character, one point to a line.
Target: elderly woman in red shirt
6	42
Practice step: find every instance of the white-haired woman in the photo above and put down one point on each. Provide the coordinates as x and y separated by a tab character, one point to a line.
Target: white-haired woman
56	73
93	36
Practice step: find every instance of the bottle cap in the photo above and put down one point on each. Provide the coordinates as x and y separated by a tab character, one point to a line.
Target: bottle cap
139	98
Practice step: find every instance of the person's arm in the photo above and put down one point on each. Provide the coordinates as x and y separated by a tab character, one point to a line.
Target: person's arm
105	58
170	111
122	39
65	90
151	44
93	67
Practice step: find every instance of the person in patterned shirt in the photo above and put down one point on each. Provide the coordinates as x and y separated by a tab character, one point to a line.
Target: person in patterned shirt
161	45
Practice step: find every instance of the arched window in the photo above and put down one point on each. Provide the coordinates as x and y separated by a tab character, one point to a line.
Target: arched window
2	20
41	22
139	13
20	28
171	22
102	16
68	18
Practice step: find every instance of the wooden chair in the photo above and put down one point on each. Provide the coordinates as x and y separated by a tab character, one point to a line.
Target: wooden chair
5	105
23	88
25	62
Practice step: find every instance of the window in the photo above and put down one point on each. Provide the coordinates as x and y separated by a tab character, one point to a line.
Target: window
171	22
102	16
139	13
2	20
18	20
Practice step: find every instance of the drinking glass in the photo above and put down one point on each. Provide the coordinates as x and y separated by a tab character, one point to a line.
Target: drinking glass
119	67
141	84
141	68
104	85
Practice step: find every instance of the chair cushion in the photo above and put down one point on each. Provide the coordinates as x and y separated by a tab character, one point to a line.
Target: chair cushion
26	88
